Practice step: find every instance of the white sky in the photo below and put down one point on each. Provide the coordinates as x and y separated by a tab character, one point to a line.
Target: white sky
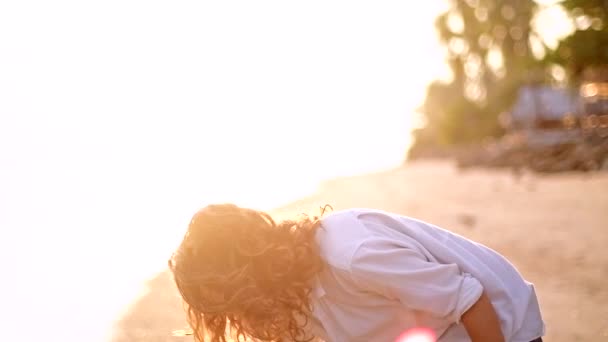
210	89
119	118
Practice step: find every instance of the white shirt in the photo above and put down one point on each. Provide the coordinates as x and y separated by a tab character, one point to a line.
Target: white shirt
387	273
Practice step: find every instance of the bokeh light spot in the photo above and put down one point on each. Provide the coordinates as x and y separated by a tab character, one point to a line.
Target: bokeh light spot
417	335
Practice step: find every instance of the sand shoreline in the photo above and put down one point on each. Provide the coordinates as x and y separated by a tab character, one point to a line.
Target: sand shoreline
554	228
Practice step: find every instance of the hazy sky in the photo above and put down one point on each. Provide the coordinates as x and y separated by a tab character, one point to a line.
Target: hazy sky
199	89
119	118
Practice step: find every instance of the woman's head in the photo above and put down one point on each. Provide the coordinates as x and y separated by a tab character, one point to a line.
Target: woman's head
238	266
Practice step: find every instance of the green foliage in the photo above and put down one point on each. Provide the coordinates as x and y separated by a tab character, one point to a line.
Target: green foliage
489	54
489	50
587	47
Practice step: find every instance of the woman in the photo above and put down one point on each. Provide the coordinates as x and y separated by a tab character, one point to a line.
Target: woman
354	275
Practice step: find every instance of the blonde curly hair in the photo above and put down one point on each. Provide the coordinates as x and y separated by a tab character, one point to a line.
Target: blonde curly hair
244	276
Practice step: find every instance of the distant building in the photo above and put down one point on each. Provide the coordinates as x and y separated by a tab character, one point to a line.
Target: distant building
594	109
542	106
545	115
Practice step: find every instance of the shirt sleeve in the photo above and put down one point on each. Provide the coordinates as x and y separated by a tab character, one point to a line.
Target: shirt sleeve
402	273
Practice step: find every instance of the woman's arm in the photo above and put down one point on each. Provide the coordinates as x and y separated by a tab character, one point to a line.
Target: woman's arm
481	322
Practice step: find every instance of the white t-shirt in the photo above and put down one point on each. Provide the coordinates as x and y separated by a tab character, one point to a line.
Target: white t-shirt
388	273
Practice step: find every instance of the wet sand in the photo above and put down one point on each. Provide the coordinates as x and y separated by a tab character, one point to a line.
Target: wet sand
554	228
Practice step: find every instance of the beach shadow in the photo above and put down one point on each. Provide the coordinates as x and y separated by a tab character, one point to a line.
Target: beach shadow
155	316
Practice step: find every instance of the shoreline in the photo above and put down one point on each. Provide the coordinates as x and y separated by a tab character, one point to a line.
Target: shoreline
552	227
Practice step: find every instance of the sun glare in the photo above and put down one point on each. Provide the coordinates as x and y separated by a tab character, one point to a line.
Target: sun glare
118	119
417	335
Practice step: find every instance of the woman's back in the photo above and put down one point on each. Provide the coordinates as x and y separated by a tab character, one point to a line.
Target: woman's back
387	273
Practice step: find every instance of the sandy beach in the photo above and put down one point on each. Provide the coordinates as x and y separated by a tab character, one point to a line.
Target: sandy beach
554	228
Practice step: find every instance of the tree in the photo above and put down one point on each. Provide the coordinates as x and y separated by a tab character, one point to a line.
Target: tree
587	47
489	47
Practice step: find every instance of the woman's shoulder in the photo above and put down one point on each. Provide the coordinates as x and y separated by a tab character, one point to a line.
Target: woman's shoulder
340	235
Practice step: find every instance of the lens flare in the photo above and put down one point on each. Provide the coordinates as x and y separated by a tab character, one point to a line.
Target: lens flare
417	335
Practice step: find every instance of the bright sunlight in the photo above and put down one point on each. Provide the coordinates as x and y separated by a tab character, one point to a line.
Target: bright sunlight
118	119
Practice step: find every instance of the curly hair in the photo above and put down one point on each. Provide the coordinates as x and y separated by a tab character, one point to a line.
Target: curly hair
243	275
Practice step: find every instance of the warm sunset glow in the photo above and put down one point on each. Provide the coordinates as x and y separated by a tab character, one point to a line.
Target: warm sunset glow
120	118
